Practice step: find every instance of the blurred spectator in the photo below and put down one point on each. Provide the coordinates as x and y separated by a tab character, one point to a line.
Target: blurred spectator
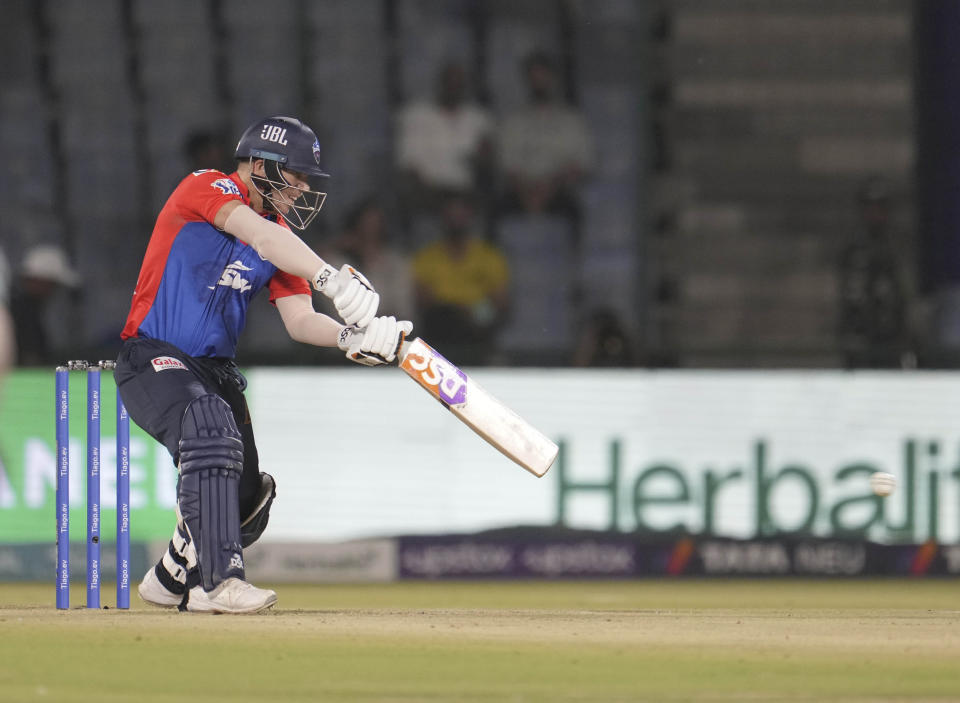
461	284
874	319
7	341
205	149
364	243
44	272
6	345
545	148
442	144
603	342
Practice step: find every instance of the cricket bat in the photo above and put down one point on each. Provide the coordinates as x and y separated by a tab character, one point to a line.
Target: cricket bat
476	408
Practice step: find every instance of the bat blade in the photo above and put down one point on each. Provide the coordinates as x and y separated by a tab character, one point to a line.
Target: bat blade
488	417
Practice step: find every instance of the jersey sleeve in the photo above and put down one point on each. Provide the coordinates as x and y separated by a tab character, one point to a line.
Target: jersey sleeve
284	284
203	193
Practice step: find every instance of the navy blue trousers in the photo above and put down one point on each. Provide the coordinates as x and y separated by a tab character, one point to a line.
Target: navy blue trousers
157	381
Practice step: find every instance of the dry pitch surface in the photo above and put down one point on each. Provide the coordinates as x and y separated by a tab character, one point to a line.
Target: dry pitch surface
583	641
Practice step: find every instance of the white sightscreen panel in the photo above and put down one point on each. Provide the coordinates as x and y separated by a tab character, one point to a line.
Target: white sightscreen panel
360	452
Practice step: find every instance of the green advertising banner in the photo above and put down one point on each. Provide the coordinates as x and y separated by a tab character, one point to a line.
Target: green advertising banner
725	454
28	464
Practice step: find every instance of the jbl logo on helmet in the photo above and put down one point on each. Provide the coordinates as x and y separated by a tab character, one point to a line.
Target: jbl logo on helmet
273	133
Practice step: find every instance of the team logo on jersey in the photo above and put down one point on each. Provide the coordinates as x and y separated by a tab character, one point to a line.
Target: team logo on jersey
232	278
167	363
225	186
316	151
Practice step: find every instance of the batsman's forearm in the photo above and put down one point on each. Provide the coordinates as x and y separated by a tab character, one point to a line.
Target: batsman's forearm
313	328
276	244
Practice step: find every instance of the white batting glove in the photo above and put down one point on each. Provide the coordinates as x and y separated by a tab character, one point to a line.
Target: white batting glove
378	343
354	298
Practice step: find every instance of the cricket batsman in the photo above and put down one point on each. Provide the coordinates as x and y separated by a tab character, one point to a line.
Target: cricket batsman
218	241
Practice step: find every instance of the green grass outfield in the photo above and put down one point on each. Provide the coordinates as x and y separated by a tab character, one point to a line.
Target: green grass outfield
533	641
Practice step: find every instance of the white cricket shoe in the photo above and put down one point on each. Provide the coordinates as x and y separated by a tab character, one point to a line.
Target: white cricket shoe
231	596
155	593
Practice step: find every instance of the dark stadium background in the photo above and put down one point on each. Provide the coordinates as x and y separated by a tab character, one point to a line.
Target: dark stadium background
736	142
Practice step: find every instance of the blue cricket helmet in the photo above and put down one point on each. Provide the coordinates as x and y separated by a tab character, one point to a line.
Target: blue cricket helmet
284	143
286	140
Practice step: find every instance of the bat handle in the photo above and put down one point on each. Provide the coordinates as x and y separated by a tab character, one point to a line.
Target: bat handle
403	348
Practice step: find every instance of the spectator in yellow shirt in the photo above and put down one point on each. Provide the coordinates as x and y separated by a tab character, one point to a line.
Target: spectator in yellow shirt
461	286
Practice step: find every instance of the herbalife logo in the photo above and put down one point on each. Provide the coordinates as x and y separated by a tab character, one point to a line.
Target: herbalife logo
232	278
762	496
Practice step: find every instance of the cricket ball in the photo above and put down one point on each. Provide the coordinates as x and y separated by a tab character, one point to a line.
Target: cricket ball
883	483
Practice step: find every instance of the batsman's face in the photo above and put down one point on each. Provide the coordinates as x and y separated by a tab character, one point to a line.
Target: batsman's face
297	184
284	197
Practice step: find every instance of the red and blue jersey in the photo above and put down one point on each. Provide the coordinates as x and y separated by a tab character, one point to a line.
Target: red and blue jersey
196	282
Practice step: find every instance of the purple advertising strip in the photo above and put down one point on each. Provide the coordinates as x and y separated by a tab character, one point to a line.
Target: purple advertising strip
457	558
611	555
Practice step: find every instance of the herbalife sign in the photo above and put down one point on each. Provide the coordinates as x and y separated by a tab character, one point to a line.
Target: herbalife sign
759	498
747	455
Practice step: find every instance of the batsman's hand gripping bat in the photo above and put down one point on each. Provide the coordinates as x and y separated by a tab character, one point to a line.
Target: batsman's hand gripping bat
479	410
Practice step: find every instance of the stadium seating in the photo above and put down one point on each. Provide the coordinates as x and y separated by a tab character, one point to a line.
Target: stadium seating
776	113
127	84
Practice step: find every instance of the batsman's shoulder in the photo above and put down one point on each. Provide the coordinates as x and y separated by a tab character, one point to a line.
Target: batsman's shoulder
212	178
198	181
208	174
203	176
202	193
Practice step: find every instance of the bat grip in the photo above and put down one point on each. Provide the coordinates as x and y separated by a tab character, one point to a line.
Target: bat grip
403	348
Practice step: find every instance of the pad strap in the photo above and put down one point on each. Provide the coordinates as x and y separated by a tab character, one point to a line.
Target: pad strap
255	523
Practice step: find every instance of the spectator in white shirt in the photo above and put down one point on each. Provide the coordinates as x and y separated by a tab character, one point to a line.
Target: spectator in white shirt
545	148
443	144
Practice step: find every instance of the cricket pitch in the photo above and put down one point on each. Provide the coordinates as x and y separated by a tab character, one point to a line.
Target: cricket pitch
548	641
